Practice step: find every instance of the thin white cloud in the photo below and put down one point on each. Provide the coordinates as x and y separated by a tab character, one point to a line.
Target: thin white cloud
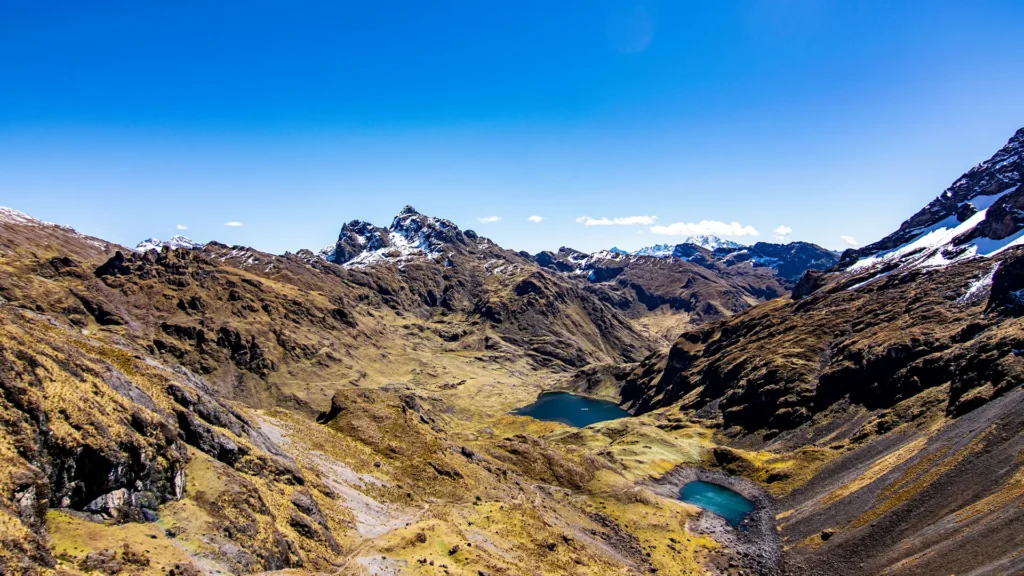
535	219
705	227
233	224
181	227
488	219
782	232
626	221
849	240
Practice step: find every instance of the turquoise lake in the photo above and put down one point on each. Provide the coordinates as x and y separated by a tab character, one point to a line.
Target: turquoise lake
571	409
717	499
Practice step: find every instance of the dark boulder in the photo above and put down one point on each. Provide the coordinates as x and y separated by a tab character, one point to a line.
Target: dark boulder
1007	293
115	266
809	283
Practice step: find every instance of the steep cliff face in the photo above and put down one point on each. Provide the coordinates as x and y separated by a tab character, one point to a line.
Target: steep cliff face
105	433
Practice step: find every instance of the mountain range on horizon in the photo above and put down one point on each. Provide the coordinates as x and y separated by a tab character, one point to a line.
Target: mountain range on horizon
688	280
706	241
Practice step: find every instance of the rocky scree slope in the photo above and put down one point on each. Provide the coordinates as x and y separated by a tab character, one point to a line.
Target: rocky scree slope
895	384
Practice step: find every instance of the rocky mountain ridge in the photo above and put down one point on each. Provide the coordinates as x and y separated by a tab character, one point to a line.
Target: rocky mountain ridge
724	286
789	260
670	287
980	214
700	289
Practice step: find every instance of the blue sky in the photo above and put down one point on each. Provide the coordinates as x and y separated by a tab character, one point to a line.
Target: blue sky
833	119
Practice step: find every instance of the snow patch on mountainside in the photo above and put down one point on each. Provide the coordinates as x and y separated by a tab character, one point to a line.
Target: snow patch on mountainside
954	226
327	253
401	248
980	287
12	216
933	246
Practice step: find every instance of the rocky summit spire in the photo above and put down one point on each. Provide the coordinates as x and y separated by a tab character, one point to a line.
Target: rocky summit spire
411	234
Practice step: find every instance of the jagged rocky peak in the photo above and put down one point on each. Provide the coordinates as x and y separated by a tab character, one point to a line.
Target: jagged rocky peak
572	253
692	253
564	260
411	233
174	243
985	202
427	230
355	238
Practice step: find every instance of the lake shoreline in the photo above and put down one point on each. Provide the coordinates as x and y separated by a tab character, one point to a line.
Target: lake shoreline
757	548
576	410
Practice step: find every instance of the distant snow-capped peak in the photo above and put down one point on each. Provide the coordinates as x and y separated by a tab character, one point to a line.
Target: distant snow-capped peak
706	241
710	241
174	243
658	251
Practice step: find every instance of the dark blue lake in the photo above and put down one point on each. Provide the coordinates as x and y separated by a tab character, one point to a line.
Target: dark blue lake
720	500
571	409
